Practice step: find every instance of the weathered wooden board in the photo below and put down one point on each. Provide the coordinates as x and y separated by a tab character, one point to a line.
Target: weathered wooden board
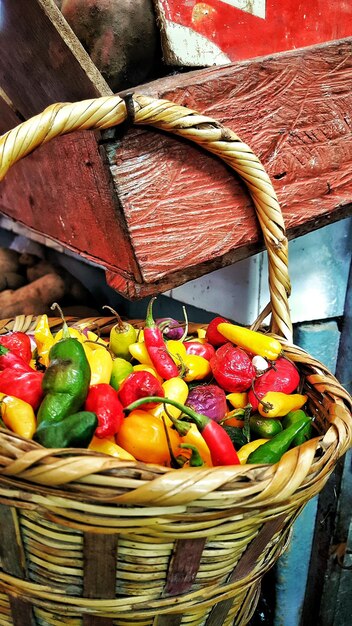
186	213
167	212
64	190
216	32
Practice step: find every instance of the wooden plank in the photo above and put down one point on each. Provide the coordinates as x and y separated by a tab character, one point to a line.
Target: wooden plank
69	180
176	213
9	117
99	579
186	213
42	61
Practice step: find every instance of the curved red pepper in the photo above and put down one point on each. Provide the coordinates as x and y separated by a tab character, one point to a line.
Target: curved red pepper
282	376
163	363
19	343
212	334
103	400
219	443
137	385
24	385
8	358
206	350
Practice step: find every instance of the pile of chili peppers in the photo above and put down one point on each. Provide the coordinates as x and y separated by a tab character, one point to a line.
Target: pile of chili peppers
223	396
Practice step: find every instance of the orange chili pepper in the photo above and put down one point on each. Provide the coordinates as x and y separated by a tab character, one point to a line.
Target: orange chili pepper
143	435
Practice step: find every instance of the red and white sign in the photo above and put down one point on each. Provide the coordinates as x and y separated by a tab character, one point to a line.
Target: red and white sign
223	31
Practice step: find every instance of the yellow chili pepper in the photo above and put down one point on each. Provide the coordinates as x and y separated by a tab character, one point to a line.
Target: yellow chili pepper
238	400
18	416
175	389
195	438
73	332
139	352
100	361
177	351
108	446
201	332
197	367
244	452
44	339
141	367
278	404
251	340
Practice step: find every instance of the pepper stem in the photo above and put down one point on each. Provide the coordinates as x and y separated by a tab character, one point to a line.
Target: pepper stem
200	420
186	324
120	323
149	320
195	460
267	405
65	330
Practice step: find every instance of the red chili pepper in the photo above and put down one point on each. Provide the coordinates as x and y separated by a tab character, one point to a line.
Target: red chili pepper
164	364
103	400
282	376
232	368
212	334
8	358
206	350
218	441
140	384
24	385
19	343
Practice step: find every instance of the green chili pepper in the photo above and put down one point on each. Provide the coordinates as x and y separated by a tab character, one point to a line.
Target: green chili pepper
120	370
65	381
74	431
303	435
272	450
122	335
264	427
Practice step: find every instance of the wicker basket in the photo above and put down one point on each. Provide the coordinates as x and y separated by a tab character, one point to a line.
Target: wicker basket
86	539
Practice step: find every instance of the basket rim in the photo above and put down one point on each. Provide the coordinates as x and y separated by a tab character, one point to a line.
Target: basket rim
27	466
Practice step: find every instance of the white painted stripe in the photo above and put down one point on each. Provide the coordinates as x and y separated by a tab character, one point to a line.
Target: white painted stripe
255	7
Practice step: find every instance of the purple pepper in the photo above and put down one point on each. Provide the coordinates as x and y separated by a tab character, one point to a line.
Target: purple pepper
209	400
171	329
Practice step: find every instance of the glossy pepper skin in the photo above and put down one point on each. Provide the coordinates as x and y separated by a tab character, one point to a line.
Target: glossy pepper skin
73	431
218	441
8	358
100	362
205	350
26	385
153	337
18	416
143	435
278	404
122	335
303	435
272	450
212	334
19	343
108	446
104	401
139	385
283	376
65	381
232	368
251	340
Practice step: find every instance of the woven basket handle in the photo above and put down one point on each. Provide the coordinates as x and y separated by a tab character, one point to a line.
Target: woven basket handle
102	113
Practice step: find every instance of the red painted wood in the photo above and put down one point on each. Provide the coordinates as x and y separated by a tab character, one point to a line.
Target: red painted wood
64	191
246	29
184	208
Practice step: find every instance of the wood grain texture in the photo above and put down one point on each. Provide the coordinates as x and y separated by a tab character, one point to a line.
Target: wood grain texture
41	59
166	212
184	208
63	191
99	580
